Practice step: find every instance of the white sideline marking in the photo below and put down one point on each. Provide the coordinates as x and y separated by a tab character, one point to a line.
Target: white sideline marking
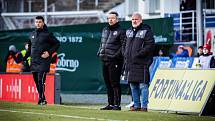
80	107
57	115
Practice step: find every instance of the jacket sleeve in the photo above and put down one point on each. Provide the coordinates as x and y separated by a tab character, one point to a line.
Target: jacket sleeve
98	52
100	45
123	46
148	45
55	44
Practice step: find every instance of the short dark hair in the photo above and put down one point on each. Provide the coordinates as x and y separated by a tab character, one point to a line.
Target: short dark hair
26	43
200	47
40	17
113	12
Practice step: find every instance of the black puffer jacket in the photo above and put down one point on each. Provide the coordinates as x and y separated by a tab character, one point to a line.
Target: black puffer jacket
41	40
138	53
111	43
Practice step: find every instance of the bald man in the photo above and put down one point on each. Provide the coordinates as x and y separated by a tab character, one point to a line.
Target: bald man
138	56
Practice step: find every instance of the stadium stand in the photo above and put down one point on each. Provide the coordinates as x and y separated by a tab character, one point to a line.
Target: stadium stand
66	12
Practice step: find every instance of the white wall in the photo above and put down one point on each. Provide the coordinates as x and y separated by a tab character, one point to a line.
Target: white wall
170	6
126	9
120	9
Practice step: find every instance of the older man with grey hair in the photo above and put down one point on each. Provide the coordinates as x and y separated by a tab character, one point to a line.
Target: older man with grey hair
138	56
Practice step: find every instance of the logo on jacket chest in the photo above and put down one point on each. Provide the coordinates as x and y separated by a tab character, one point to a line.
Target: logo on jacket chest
141	34
129	33
32	37
115	33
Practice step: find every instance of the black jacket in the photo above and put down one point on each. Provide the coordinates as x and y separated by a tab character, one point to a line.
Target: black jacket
138	53
111	43
41	40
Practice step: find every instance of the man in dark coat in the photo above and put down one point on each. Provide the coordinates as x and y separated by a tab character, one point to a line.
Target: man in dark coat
110	53
41	46
138	56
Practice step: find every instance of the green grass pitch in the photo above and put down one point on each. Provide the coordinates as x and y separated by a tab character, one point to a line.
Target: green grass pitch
10	111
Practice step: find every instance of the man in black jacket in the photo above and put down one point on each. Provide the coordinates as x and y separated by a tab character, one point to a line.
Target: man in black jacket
41	46
138	56
110	53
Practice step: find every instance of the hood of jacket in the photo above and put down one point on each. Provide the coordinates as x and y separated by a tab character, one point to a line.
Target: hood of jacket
112	27
141	26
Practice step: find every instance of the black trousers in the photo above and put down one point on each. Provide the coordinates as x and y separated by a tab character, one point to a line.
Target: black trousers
39	79
111	74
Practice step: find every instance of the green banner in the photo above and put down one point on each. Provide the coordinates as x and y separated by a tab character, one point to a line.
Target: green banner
78	64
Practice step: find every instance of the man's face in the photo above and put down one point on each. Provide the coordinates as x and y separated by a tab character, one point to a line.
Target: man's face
205	51
112	19
200	50
136	21
39	23
26	46
180	50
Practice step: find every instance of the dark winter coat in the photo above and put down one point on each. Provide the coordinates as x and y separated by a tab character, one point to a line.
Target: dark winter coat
111	43
138	53
40	41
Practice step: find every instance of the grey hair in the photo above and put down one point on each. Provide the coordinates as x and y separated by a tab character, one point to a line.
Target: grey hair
137	14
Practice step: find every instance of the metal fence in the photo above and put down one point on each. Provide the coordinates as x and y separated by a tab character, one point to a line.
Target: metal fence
184	24
26	20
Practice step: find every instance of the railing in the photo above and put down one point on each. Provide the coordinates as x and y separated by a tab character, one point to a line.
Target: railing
209	18
26	20
68	12
184	24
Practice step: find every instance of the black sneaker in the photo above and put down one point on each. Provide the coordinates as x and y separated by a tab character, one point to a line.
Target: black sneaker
135	109
44	102
109	107
39	102
116	107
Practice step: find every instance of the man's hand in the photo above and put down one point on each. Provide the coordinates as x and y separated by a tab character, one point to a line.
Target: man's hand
45	54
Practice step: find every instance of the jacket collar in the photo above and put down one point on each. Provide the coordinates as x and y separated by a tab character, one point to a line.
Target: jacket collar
112	27
137	28
45	28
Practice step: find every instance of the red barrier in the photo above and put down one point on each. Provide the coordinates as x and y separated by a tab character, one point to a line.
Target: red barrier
21	88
